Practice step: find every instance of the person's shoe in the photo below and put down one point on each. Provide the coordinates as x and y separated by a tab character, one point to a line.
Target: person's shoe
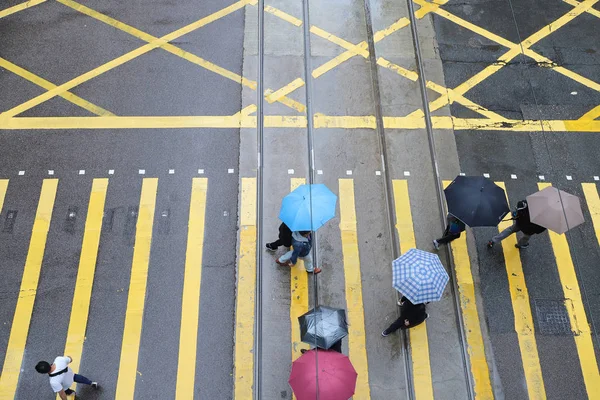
95	385
69	392
385	333
282	264
490	244
426	315
316	271
303	351
400	302
436	245
522	246
270	247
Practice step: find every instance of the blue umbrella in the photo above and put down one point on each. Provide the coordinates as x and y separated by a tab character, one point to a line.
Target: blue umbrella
420	276
297	208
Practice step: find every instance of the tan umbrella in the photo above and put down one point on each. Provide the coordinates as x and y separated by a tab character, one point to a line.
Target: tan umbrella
555	209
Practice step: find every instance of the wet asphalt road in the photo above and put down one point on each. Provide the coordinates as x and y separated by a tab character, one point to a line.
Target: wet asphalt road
58	43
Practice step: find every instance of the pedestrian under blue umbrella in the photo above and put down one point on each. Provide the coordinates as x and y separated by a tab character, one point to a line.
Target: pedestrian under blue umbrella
453	229
302	245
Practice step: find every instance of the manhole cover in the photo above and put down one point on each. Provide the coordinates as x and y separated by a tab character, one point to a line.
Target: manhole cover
552	317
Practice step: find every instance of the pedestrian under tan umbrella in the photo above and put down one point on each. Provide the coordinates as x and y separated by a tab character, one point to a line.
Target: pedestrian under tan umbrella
555	209
521	223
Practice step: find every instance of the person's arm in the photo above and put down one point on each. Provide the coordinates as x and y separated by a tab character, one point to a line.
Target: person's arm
62	395
70	359
295	255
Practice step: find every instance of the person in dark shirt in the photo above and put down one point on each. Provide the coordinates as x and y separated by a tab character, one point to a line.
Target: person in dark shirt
285	238
411	315
453	229
521	223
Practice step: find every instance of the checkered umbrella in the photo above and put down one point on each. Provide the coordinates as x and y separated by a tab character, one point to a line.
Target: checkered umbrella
420	276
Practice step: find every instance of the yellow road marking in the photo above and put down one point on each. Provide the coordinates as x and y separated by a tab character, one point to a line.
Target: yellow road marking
472	325
592	114
85	273
132	330
190	299
124	58
339	41
290	87
23	73
524	326
419	342
283	15
282	121
353	285
19	7
591	11
298	295
591	198
3	188
27	292
194	59
246	287
577	316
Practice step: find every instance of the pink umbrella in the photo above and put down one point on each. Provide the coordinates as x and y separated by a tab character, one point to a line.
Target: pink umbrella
323	375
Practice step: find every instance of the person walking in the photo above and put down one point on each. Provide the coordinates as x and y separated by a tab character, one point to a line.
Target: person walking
411	315
454	227
337	346
522	223
285	238
302	244
62	376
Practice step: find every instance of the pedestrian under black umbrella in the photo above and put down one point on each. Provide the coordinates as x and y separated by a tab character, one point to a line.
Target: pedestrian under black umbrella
521	223
285	238
453	229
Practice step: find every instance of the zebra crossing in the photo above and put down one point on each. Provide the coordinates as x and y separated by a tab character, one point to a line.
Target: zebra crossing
111	299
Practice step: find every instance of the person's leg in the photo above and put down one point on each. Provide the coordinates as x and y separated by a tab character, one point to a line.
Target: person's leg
413	325
308	263
337	346
448	238
397	324
69	392
82	379
505	233
523	241
286	257
274	245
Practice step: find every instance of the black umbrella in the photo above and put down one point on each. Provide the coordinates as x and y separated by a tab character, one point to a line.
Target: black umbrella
476	201
323	326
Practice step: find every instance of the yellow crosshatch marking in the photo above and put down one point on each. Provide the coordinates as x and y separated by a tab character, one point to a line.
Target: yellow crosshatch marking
415	120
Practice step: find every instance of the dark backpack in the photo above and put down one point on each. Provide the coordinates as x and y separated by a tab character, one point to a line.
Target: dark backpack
524	222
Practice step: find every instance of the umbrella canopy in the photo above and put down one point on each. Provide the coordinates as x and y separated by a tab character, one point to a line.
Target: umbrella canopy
308	207
476	201
420	276
555	209
323	374
323	326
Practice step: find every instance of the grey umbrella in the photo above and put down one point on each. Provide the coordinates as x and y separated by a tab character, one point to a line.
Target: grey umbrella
555	209
323	326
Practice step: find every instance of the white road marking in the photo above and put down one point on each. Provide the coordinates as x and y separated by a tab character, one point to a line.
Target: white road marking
569	178
171	171
21	173
50	172
142	171
513	176
406	173
82	172
200	171
349	172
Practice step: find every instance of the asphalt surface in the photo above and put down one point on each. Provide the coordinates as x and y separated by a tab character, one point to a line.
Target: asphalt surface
58	43
525	89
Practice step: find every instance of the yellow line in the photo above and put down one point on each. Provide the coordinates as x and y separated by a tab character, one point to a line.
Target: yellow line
19	7
591	115
123	59
3	188
27	293
194	59
283	15
577	316
419	343
132	331
290	87
246	285
339	41
472	325
190	299
592	11
283	121
591	197
524	326
353	285
85	273
23	73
